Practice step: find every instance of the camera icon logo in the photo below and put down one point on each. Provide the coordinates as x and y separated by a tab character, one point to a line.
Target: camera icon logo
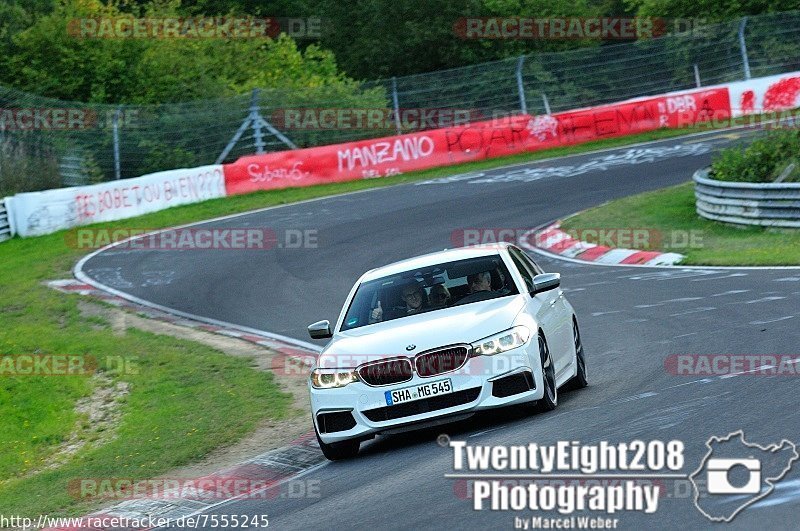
718	476
735	474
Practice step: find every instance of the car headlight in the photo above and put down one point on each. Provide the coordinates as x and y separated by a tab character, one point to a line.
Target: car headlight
330	378
513	338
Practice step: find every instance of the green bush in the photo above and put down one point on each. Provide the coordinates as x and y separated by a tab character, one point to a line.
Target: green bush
762	161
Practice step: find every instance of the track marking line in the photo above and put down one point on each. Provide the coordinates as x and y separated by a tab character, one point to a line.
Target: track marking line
640	396
763	299
772	320
704	380
683	299
478	434
733	375
731	292
693	310
732	275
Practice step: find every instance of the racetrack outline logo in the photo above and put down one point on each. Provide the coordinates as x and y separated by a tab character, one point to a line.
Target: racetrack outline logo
716	474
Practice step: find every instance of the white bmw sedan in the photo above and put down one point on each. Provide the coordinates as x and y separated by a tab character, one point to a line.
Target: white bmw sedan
435	338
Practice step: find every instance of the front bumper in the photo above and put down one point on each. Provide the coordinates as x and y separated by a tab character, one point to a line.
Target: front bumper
484	382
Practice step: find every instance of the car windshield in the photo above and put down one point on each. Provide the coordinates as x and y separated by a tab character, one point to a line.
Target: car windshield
429	289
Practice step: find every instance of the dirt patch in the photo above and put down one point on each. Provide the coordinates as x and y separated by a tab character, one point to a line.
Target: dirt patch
270	434
98	418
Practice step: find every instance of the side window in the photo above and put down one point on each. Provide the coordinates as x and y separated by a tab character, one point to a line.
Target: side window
522	267
534	266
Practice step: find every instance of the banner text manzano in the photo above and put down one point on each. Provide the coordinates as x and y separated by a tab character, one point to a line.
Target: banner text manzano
476	141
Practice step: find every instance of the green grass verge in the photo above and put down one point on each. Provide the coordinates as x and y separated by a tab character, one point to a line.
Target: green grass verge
672	212
186	400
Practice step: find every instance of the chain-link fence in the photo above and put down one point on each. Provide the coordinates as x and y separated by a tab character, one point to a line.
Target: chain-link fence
73	143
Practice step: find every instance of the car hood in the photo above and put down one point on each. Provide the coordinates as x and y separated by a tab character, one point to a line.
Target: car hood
460	324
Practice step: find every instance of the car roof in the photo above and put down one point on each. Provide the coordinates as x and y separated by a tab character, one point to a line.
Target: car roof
438	257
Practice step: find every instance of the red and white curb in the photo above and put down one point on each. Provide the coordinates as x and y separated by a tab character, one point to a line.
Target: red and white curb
262	475
260	478
552	240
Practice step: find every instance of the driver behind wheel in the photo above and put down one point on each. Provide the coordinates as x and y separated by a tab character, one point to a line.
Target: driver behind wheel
414	297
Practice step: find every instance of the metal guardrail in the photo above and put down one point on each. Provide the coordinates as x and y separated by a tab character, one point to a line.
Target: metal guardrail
6	229
763	204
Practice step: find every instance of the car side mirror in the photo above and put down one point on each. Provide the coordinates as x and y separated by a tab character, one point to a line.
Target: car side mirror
320	330
545	282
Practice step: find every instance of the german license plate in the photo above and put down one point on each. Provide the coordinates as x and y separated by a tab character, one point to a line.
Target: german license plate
417	392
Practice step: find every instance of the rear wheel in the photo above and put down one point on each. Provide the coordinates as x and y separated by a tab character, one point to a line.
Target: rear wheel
578	381
549	400
338	450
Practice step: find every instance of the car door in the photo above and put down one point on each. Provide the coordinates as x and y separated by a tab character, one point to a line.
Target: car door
552	315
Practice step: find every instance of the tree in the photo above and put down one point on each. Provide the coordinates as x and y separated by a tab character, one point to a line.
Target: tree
49	59
383	38
709	10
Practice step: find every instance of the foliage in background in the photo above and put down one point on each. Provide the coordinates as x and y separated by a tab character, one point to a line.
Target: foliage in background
762	161
710	10
383	38
369	38
26	167
44	58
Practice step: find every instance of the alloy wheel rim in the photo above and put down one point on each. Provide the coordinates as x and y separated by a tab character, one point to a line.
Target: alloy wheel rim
579	349
548	370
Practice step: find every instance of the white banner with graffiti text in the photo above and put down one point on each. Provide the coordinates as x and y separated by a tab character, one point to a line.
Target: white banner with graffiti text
765	94
37	213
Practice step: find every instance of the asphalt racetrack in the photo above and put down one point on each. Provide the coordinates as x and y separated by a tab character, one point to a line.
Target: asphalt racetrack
632	319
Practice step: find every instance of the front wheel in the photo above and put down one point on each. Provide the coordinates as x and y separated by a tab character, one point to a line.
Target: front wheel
549	400
578	381
338	450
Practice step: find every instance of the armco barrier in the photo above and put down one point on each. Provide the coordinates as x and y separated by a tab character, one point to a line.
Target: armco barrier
764	204
6	221
44	212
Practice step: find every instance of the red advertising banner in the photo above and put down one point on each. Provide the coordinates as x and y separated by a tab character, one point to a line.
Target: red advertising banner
387	156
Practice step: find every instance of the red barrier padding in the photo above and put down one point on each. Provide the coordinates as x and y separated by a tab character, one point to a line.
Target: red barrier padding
494	138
